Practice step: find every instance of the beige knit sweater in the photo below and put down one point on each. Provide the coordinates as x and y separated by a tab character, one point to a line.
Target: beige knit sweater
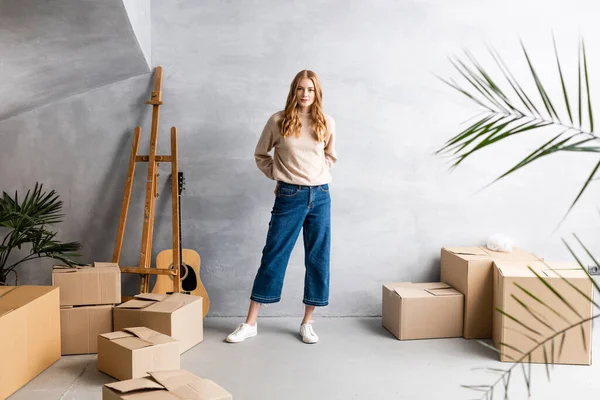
298	160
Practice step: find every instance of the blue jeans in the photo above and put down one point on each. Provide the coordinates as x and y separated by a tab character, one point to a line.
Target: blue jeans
297	207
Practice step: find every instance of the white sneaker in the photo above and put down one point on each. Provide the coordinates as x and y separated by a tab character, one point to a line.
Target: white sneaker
242	332
308	334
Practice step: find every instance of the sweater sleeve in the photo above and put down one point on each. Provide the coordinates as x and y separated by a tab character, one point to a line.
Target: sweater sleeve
330	152
264	161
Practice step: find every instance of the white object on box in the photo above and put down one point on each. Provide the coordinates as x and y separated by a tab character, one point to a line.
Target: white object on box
500	242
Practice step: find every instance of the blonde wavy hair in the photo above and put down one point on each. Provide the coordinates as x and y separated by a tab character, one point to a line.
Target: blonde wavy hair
290	125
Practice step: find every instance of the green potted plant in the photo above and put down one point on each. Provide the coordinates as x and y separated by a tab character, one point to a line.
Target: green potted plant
27	224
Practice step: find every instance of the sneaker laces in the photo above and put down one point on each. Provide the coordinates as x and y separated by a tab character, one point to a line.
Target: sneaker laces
308	329
238	330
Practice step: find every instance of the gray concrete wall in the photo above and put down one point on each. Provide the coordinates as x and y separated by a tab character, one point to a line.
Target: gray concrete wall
138	12
54	49
227	67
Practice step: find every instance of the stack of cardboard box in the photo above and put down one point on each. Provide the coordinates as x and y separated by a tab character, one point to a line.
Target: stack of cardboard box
29	333
470	271
475	282
87	298
75	314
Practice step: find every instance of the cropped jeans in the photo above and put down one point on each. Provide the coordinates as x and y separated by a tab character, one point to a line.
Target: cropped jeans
297	207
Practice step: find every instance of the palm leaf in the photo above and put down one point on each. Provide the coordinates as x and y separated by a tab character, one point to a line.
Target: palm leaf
506	383
512	347
514	83
527	292
533	313
518	322
553	351
496	371
555	292
493	87
562	82
540	86
453	84
590	255
478	388
562	344
579	86
585	185
527	375
477	83
587	86
581	264
534	340
464	134
544	150
504	115
568	282
546	361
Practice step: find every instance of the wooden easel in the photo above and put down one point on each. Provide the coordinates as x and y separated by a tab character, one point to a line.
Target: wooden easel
153	160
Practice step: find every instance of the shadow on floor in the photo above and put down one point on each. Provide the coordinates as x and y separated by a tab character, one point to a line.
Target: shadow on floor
373	326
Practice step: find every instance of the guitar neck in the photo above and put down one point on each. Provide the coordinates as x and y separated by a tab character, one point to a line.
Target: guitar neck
180	183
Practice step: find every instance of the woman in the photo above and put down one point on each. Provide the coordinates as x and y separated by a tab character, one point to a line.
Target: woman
303	139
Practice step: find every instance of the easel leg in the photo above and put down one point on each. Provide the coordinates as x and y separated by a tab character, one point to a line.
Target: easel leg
127	197
146	247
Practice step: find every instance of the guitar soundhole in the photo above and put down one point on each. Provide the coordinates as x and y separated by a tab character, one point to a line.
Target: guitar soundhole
190	283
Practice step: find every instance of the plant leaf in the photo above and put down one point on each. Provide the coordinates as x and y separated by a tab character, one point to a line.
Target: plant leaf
581	264
494	88
488	346
583	188
512	347
579	84
568	282
587	86
479	388
562	343
562	81
546	361
556	293
518	322
455	86
465	134
527	292
479	84
540	87
553	352
514	84
533	313
538	153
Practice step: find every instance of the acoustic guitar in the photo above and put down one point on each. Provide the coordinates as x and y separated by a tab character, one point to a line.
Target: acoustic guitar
190	265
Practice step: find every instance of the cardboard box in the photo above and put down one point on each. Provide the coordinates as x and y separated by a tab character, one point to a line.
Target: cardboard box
29	334
422	310
85	286
177	315
133	352
80	327
508	331
469	270
179	384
